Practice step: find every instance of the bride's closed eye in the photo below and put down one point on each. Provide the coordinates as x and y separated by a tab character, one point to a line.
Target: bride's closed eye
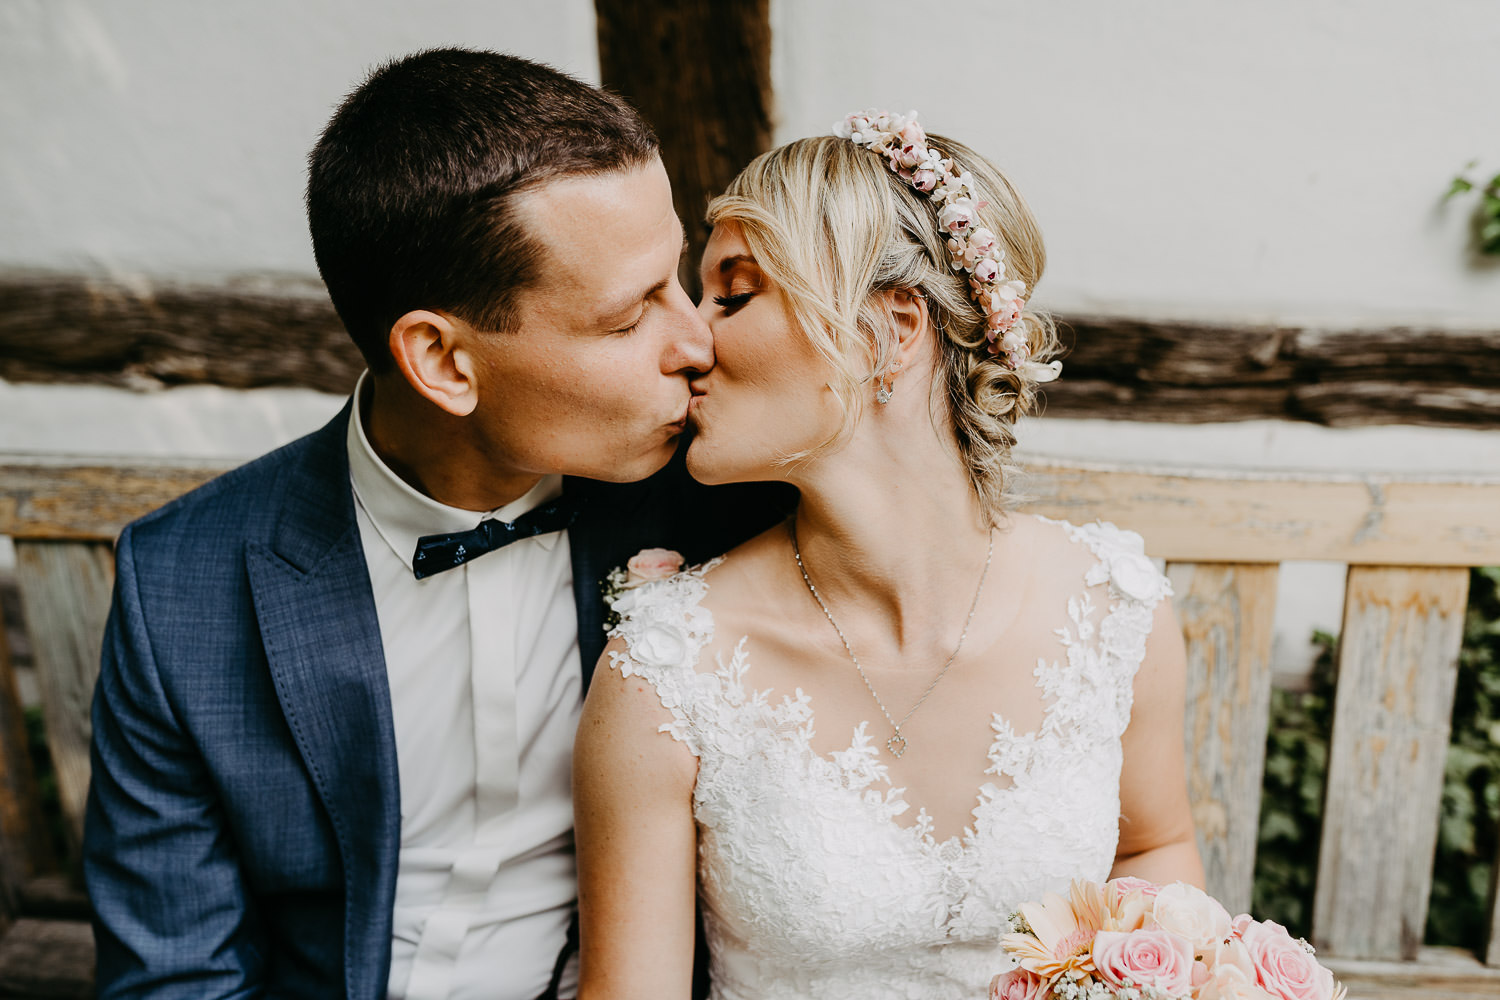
731	303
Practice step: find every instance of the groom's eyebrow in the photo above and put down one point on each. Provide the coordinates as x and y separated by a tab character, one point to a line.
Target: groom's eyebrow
615	309
624	303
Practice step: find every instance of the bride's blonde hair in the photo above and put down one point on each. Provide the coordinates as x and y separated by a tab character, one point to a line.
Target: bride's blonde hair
834	228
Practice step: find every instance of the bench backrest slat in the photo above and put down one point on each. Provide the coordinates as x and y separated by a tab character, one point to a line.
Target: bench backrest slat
24	848
1226	612
65	591
1398	664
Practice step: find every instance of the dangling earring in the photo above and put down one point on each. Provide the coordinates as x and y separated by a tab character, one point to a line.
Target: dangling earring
882	392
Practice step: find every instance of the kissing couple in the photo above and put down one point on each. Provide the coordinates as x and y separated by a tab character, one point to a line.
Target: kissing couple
869	710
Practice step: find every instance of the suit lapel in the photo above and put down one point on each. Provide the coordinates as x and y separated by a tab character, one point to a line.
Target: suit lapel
322	639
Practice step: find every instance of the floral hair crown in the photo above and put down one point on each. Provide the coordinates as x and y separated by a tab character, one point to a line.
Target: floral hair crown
903	144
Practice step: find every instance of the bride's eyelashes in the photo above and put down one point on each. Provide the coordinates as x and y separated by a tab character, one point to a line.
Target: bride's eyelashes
731	303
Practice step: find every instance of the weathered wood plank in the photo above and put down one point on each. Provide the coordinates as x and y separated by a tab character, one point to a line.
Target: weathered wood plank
1227	614
1186	371
1185	515
1437	974
700	72
1398	665
65	594
25	849
1242	516
256	331
47	960
48	499
243	334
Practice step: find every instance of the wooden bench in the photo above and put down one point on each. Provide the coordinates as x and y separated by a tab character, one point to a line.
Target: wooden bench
1407	543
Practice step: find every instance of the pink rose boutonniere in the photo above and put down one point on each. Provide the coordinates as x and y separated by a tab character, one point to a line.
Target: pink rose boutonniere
651	564
644	567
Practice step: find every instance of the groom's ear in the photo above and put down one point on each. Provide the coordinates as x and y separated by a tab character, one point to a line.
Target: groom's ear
430	351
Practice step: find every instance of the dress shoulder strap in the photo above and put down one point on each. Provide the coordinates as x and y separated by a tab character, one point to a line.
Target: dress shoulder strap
664	628
1122	562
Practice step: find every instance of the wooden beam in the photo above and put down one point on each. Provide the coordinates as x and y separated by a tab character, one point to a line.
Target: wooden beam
1195	372
1227	613
1397	668
700	71
65	594
282	331
243	334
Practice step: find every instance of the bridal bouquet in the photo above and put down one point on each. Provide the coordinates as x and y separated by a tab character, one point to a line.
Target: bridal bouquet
1131	940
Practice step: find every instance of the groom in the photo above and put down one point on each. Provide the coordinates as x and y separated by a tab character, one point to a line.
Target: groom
334	721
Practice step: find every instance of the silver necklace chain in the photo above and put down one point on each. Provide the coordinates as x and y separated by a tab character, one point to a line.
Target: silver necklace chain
897	743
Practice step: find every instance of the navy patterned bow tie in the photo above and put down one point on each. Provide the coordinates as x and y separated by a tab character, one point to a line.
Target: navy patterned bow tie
436	553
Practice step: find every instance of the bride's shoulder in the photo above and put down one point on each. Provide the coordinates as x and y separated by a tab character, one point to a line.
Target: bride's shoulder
1104	552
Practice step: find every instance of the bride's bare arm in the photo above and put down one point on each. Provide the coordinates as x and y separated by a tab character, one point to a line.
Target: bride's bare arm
637	844
1157	840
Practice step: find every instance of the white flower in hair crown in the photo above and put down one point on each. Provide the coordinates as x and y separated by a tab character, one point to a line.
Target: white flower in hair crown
902	143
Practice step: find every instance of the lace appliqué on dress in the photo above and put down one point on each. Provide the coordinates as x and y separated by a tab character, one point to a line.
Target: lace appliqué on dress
810	888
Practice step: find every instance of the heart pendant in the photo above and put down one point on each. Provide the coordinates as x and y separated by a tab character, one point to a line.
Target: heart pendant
896	745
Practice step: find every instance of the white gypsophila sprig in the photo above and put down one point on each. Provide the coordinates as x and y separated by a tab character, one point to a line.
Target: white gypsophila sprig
902	143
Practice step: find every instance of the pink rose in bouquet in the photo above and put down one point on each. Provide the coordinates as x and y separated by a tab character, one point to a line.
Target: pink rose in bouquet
1144	958
1128	883
1018	984
1285	967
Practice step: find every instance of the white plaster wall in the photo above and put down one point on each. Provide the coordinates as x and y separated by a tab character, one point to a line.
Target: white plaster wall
169	137
1281	159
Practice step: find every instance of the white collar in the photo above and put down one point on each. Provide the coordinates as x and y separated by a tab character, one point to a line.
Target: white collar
402	514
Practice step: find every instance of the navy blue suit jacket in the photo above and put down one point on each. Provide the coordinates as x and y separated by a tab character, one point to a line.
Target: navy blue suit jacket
244	816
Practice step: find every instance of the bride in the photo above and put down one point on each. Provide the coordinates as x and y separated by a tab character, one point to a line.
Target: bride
863	737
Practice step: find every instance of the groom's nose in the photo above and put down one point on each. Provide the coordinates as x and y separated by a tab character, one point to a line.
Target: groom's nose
690	345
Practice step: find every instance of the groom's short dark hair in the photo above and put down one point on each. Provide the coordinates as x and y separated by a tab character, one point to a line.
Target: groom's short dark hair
410	187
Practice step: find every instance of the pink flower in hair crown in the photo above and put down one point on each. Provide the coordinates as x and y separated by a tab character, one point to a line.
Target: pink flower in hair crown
902	143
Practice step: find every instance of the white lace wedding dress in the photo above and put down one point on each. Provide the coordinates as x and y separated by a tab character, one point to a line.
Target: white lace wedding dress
809	887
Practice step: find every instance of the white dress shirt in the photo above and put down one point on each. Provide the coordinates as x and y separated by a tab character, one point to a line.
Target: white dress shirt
485	693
